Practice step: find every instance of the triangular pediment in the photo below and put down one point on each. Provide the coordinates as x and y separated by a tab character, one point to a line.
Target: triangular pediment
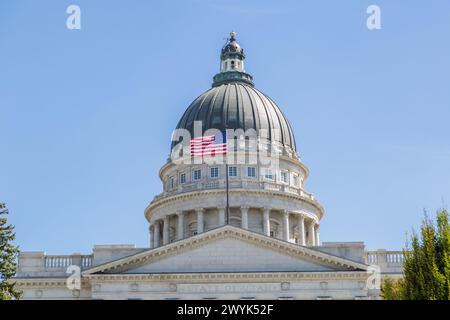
227	249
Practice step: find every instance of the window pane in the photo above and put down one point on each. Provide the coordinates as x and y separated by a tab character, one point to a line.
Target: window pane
284	176
214	173
268	174
197	174
251	171
232	171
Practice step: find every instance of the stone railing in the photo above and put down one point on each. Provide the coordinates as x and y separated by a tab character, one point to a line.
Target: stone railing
388	261
39	263
63	261
235	184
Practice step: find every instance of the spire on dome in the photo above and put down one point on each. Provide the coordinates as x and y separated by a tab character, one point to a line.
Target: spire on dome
232	63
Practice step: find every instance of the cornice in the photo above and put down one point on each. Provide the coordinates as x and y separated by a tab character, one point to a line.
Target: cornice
264	192
233	277
45	282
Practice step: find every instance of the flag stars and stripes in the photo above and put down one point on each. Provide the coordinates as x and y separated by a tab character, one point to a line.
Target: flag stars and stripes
210	145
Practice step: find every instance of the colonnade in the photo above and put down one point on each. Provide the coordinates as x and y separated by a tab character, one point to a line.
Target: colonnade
307	229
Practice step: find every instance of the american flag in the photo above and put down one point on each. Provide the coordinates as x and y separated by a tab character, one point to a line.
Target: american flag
211	145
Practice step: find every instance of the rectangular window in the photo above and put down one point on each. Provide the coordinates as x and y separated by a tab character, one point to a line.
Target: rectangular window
172	183
214	172
284	176
196	174
232	171
251	172
183	178
296	180
268	174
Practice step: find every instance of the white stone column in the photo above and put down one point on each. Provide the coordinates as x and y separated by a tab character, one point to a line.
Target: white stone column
221	215
301	230
156	234
285	225
166	230
150	231
199	220
317	235
266	221
244	217
180	228
311	235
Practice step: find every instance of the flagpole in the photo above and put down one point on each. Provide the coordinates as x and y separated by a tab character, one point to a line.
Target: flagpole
228	198
226	177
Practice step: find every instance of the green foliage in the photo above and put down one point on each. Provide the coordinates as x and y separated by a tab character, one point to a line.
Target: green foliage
426	268
392	289
8	256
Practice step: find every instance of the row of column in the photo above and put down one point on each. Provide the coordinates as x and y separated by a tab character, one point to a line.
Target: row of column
313	227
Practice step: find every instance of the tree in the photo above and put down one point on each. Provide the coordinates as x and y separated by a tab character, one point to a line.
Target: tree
8	256
426	267
392	289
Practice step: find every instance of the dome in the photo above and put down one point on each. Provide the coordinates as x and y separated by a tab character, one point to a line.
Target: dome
238	105
233	102
232	46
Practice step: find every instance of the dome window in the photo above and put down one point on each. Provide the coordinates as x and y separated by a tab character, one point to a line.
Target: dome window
295	177
182	178
251	172
284	176
268	174
196	174
214	172
232	171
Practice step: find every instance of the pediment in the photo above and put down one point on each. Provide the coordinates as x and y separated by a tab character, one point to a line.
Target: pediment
227	249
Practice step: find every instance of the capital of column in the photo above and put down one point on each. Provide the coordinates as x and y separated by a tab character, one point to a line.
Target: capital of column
179	213
199	209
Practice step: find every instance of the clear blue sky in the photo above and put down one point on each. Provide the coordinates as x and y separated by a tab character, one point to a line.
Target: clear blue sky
86	115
